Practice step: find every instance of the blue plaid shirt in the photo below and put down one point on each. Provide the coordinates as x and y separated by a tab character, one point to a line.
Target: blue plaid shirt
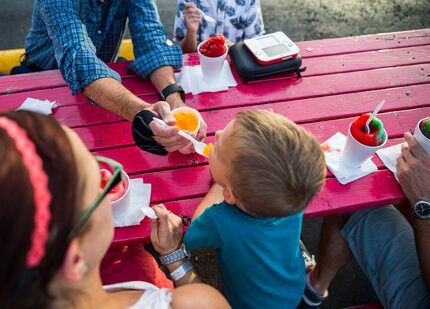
79	36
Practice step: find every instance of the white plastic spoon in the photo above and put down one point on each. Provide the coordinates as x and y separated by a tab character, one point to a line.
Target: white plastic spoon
372	116
207	17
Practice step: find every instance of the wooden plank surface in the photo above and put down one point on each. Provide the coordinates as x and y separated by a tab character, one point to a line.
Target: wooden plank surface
320	66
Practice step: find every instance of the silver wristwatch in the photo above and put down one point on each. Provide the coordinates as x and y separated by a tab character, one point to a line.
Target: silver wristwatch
421	210
175	256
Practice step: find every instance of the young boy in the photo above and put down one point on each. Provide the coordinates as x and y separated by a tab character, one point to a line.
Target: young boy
236	20
266	169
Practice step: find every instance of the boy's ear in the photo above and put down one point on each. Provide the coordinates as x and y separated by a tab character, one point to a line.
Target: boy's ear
74	266
228	195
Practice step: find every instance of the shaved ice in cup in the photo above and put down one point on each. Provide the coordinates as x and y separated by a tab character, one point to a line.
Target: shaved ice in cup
212	54
120	194
187	119
422	134
360	144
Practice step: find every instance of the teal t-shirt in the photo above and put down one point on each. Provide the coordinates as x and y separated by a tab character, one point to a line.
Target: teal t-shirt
259	258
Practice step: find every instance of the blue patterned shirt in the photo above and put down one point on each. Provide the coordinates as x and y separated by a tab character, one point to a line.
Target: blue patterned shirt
79	36
235	19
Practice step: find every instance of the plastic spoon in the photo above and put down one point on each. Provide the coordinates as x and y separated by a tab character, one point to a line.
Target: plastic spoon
372	116
207	17
198	146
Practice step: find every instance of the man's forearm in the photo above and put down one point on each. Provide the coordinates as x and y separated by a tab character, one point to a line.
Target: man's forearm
113	96
161	78
422	234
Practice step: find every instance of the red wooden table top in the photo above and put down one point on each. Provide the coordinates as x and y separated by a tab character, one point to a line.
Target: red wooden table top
345	77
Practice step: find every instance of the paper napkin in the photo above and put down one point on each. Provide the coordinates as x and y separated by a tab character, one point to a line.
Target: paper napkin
134	211
333	148
389	157
35	105
191	79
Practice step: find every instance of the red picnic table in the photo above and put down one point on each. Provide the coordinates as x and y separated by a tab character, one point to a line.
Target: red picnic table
345	77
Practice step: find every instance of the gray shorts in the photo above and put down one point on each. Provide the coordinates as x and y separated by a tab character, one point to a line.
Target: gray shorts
383	244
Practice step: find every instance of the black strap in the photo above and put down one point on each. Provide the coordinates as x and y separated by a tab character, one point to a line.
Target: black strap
143	136
176	87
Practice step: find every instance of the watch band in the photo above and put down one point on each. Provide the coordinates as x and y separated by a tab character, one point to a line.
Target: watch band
174	256
168	90
181	271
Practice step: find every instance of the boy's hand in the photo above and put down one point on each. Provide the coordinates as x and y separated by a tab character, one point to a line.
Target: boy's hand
192	17
166	231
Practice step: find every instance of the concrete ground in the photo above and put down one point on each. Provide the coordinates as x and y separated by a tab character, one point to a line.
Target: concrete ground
301	20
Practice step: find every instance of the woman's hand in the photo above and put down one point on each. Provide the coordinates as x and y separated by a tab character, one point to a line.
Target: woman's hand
166	232
192	17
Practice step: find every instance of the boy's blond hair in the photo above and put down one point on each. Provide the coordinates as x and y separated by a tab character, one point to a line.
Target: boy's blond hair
277	167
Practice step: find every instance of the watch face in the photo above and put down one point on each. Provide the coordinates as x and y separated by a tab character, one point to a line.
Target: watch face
422	210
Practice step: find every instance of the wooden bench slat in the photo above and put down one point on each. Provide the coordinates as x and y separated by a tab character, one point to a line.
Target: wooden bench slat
52	79
331	200
314	109
88	114
364	43
119	134
136	161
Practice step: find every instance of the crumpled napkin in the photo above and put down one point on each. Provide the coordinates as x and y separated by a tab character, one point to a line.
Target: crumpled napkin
133	212
332	149
35	105
191	79
389	157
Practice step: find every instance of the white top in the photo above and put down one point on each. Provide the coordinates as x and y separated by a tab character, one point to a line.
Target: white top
236	20
154	297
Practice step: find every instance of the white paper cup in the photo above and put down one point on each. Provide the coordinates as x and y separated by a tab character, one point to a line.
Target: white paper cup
421	138
211	66
355	153
124	199
189	110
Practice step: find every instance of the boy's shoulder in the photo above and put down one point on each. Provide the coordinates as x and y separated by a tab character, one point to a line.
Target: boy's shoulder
222	210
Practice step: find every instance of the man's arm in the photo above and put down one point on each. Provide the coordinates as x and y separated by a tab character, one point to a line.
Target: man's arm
112	95
413	168
154	58
161	78
75	53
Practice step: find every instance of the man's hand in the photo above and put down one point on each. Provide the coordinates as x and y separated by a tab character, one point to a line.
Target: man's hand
166	136
192	18
166	230
413	170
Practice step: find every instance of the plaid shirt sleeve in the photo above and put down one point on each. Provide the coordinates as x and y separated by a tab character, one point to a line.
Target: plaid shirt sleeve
149	39
74	50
